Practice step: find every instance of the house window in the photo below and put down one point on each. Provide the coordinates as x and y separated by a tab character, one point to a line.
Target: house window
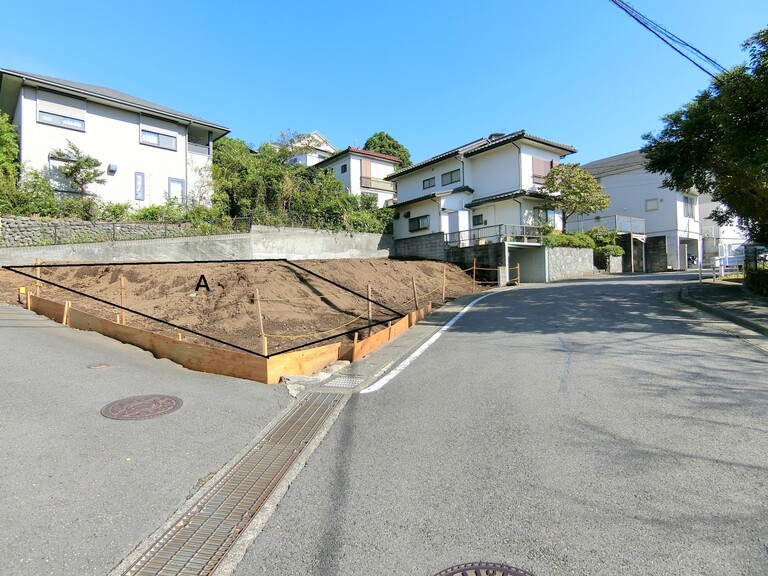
689	206
428	183
418	223
541	168
651	204
450	177
139	186
177	191
543	217
59	120
343	168
159	140
477	220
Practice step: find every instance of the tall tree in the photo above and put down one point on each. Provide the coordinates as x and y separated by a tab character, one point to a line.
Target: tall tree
385	144
79	168
718	142
570	189
9	148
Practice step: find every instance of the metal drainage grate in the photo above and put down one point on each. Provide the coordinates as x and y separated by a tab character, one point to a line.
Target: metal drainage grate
198	541
483	569
141	407
344	381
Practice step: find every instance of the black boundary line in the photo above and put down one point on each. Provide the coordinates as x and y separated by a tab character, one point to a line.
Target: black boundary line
398	316
130	263
135	312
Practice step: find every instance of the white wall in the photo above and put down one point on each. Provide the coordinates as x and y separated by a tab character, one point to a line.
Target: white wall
113	136
426	208
493	172
528	153
411	186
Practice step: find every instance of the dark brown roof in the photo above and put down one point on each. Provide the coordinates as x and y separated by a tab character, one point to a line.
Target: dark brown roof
478	147
360	152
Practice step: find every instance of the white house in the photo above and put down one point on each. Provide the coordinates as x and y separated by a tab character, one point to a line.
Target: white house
673	224
363	173
315	148
149	153
469	191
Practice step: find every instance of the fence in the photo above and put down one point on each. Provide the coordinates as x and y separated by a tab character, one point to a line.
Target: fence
492	234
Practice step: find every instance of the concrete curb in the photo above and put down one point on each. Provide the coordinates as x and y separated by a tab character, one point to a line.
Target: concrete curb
726	315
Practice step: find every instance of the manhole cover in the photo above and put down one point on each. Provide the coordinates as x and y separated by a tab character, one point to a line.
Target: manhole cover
483	569
141	407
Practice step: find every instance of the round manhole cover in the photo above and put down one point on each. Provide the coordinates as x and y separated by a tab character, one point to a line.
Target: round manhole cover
141	407
483	569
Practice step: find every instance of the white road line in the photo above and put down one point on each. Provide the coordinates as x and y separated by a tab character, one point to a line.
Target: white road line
379	384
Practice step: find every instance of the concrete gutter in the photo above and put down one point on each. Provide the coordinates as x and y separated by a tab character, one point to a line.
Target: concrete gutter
722	313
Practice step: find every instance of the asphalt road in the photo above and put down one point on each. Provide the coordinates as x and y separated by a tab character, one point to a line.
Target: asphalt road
583	428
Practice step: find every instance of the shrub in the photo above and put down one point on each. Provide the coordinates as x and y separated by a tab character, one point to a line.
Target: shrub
602	253
757	281
575	240
116	211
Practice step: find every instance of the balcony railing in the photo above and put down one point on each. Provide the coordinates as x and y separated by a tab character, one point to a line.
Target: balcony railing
620	224
198	148
377	184
492	234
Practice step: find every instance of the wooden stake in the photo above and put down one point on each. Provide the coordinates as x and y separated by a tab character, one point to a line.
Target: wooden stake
122	297
37	273
474	274
180	336
65	318
370	311
261	323
445	268
415	294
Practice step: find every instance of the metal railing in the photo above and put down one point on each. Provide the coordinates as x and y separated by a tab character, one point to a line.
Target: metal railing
620	224
493	234
198	148
377	184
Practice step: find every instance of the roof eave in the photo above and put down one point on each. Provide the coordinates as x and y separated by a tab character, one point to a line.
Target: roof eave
123	104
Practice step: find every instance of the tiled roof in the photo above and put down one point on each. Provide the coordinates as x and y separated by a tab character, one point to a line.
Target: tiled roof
478	147
465	189
109	94
360	152
616	164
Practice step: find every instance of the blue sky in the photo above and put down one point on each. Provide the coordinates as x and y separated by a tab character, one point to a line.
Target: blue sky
433	74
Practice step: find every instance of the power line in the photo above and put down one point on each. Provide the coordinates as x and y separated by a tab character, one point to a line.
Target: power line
677	44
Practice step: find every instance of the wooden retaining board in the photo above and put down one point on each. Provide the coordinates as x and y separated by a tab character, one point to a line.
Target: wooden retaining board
203	358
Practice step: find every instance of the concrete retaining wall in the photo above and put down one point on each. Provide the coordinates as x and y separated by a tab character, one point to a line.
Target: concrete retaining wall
262	243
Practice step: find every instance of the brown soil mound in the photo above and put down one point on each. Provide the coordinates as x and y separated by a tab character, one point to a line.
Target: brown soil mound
314	300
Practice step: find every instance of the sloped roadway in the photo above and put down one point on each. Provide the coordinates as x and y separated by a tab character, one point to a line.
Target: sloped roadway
584	428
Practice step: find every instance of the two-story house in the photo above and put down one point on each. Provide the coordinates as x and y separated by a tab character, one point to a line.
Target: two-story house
673	224
314	149
363	173
149	153
477	187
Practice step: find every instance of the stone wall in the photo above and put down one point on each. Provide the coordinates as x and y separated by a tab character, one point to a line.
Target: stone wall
25	231
567	263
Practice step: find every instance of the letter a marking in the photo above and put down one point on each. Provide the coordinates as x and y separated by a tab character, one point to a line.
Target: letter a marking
202	282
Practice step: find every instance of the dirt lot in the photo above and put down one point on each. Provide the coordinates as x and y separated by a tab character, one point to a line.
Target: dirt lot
297	306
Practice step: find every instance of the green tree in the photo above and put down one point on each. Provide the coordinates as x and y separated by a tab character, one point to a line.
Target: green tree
385	144
9	148
79	168
717	143
570	189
